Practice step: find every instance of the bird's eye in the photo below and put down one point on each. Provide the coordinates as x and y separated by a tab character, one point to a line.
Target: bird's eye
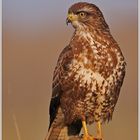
82	14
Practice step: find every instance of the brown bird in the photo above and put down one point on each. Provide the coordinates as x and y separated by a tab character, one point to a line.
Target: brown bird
88	76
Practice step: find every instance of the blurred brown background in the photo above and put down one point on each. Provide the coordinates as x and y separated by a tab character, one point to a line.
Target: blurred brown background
34	33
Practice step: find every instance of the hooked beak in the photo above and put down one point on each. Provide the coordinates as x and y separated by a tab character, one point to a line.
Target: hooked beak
71	17
67	21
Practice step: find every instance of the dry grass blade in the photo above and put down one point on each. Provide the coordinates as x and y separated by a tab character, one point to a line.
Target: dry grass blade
16	127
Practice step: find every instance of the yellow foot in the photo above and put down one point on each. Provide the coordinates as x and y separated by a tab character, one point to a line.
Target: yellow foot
88	137
98	138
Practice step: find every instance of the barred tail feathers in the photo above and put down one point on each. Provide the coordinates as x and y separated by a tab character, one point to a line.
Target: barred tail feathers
57	133
58	130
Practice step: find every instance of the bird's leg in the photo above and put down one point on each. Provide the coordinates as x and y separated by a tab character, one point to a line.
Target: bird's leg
99	130
86	135
85	128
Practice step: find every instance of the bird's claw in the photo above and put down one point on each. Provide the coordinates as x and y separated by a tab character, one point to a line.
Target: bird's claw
87	137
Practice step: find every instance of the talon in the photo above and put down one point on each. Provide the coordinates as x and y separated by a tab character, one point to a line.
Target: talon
88	137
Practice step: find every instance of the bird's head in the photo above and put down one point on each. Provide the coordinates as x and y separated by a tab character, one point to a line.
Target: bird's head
84	15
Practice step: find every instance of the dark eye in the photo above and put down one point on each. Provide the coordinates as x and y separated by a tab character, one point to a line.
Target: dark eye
82	14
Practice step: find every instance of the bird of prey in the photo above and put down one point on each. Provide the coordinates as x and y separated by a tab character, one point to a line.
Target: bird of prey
88	76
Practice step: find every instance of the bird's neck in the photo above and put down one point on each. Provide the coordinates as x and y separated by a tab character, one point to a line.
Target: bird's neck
89	37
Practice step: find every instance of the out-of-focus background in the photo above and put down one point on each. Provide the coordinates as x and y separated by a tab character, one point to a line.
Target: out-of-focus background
34	33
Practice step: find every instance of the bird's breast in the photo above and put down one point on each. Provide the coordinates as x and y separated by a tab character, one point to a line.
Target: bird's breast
85	74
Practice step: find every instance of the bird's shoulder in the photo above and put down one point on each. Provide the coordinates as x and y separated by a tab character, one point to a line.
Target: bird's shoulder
61	68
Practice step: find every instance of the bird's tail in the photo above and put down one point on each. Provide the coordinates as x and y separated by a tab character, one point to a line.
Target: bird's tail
58	130
57	134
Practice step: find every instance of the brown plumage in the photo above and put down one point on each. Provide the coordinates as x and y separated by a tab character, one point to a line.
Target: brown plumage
88	76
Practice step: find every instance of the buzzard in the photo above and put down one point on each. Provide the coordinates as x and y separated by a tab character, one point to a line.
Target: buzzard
88	76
